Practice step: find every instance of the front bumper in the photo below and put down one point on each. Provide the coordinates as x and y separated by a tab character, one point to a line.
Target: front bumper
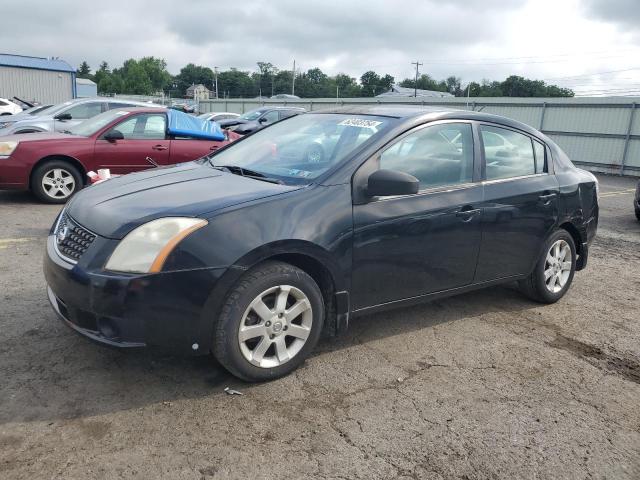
172	310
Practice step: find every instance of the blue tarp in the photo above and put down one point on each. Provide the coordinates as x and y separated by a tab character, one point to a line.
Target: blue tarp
185	125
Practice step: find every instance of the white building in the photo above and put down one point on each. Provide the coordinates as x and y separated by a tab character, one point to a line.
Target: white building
198	92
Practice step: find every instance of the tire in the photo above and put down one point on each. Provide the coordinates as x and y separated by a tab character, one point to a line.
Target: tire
537	286
55	181
268	334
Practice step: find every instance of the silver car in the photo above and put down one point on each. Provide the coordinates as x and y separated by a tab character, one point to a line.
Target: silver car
217	116
59	118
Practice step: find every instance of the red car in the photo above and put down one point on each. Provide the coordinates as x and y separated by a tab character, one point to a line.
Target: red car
54	165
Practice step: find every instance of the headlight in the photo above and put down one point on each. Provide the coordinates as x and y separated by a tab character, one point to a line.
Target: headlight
7	148
145	249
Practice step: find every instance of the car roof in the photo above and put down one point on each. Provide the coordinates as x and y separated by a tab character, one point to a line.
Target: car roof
428	113
137	109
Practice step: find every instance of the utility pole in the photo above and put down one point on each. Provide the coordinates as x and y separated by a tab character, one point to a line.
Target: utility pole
418	65
293	83
215	70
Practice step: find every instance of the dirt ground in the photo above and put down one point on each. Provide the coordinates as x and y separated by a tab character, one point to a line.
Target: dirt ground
483	385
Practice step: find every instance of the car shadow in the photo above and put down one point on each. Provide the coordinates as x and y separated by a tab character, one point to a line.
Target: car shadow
50	373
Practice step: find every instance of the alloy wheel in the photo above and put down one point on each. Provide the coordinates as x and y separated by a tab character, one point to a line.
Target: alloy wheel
557	266
58	183
275	326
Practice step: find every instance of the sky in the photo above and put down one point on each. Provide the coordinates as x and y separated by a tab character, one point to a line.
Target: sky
592	46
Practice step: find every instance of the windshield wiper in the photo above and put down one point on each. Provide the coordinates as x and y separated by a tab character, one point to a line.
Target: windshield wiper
245	172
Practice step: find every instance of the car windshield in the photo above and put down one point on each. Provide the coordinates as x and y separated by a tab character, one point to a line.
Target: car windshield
301	148
94	124
252	115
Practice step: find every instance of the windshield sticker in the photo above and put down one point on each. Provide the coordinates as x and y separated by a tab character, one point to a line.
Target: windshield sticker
299	173
358	122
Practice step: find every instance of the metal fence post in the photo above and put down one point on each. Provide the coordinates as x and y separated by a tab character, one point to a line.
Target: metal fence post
544	109
627	138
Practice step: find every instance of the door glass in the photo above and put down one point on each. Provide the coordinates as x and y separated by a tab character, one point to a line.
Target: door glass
271	116
508	154
541	161
85	110
143	127
437	155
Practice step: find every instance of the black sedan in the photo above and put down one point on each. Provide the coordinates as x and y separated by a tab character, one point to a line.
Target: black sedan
250	254
257	119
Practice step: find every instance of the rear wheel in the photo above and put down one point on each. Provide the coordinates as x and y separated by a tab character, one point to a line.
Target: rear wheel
270	322
553	274
56	181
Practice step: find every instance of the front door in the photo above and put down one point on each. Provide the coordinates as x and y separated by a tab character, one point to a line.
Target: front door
412	245
145	143
520	206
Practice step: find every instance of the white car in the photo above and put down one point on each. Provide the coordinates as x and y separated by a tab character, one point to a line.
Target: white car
217	116
7	107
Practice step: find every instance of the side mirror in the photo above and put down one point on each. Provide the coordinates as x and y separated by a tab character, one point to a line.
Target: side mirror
263	120
384	183
63	116
113	135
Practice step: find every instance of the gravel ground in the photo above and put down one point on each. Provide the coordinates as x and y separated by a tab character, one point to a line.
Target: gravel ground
483	385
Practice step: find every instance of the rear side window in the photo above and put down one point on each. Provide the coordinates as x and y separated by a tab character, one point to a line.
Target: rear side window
271	116
541	160
507	153
436	155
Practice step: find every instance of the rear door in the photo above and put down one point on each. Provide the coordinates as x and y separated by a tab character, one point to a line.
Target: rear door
186	149
520	202
145	143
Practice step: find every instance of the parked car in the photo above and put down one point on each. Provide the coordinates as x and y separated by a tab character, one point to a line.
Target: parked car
259	118
218	116
65	115
7	107
636	201
285	96
54	165
36	109
251	256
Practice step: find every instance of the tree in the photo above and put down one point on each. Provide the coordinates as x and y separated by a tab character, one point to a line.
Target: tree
192	74
84	70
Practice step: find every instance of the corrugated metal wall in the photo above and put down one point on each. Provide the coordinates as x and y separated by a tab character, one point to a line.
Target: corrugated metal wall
600	134
42	86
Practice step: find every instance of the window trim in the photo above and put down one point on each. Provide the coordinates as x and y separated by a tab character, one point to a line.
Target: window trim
114	125
365	169
532	138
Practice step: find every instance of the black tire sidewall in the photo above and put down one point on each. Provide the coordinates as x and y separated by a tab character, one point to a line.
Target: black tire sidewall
39	172
226	345
539	280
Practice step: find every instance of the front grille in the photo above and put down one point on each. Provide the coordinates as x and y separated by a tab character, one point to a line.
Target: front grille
72	240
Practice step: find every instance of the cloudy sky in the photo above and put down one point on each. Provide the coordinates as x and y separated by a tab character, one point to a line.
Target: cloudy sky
592	46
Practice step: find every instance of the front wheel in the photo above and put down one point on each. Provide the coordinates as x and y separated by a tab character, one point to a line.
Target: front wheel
55	181
553	274
270	322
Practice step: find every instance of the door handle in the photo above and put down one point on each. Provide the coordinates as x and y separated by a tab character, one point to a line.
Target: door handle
159	147
467	214
215	147
545	199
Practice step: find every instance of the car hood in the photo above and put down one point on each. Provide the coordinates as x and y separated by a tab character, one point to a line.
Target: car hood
115	207
41	136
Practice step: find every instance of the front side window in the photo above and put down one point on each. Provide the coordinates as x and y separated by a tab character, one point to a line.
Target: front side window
271	117
436	155
85	110
143	127
507	153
